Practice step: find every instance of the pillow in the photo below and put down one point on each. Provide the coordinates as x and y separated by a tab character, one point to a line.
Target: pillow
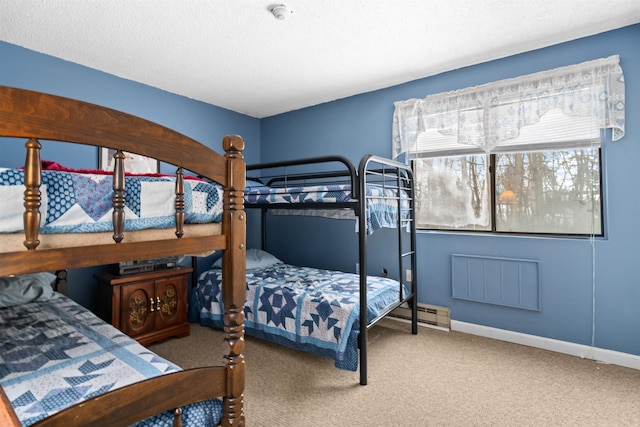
26	288
256	258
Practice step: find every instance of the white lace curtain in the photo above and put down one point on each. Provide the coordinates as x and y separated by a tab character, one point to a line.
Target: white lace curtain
490	115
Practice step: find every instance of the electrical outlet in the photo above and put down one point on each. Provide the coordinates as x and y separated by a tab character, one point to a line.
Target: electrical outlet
357	268
407	274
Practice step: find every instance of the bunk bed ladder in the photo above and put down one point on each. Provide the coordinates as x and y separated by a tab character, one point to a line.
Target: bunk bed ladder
406	186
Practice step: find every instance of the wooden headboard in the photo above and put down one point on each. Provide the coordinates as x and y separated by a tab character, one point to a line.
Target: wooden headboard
33	118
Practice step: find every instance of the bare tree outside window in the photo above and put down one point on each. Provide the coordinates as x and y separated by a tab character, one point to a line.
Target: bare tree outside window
549	192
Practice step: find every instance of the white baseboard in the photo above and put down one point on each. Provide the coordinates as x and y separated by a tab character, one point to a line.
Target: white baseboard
579	350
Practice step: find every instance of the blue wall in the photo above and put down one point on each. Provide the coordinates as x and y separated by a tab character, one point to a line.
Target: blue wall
362	124
573	273
203	122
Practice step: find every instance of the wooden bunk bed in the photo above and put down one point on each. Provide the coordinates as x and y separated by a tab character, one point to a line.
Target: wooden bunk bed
334	310
33	118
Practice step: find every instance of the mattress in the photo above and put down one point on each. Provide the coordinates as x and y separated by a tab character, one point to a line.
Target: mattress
304	308
55	353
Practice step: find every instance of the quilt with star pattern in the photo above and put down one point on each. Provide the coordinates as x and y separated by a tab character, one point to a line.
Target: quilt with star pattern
81	202
305	308
381	203
56	353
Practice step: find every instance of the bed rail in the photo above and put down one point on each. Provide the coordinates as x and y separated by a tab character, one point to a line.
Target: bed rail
33	196
315	171
138	401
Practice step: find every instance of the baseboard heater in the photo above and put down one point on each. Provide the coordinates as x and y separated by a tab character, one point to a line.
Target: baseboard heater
429	314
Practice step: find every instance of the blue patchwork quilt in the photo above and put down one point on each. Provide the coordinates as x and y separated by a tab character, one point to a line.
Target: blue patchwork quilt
79	202
381	203
305	308
55	353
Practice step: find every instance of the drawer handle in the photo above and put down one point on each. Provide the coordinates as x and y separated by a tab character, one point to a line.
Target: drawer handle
151	305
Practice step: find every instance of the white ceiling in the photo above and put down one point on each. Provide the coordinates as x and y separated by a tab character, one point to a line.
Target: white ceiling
236	55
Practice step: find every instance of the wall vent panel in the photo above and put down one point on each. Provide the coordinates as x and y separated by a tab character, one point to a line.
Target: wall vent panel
500	281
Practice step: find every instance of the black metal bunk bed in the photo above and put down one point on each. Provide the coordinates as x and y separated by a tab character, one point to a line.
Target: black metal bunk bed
377	181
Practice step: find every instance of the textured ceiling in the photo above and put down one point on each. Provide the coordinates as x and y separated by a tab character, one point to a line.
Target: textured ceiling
236	55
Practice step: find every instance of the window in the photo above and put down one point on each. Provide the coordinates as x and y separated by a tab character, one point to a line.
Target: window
549	192
452	193
517	156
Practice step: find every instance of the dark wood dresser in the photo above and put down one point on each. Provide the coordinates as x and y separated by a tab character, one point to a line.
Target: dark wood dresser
149	306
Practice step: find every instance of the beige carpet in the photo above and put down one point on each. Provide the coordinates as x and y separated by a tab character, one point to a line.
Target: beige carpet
435	378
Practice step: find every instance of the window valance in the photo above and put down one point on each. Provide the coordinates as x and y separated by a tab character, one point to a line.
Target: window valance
490	115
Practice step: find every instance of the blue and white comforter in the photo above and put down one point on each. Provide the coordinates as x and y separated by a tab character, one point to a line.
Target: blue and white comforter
78	202
305	308
381	203
56	353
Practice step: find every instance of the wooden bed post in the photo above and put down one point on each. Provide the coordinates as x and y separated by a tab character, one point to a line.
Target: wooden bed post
32	181
234	281
118	197
180	202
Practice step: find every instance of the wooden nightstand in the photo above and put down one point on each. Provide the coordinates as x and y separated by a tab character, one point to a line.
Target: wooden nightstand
149	307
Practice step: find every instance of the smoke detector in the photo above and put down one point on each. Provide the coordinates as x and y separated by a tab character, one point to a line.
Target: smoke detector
281	12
